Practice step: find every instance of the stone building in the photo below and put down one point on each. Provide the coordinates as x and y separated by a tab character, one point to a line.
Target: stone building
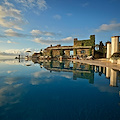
81	48
36	55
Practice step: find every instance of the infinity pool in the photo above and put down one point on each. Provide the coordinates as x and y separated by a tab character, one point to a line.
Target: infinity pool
53	90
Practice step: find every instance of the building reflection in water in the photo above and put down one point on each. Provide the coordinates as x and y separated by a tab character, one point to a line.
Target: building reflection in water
80	70
113	78
110	74
84	71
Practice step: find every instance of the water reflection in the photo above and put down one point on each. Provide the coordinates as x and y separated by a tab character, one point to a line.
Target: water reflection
51	87
80	70
83	71
16	62
110	74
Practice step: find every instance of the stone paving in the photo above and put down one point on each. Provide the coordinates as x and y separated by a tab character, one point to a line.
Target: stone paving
99	62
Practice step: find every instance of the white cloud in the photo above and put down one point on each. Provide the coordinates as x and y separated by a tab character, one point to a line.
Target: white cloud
8	41
109	27
85	4
12	99
48	41
39	76
58	17
10	17
12	33
67	76
13	52
8	4
41	4
38	32
67	39
10	24
42	40
16	52
69	14
11	71
11	42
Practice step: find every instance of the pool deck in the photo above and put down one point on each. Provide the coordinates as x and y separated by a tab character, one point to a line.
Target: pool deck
99	62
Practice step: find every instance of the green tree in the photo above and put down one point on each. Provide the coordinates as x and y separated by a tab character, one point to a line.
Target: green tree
61	52
51	53
90	51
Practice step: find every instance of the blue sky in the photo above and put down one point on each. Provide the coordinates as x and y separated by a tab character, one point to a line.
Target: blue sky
36	24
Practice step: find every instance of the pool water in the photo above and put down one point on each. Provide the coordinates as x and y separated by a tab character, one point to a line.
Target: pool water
53	90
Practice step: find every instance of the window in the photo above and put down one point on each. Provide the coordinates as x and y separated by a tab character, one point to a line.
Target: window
82	44
82	51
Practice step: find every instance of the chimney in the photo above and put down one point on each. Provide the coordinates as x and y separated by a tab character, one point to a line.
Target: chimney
75	39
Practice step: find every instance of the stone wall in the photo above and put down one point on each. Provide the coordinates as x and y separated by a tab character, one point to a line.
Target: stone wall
86	51
89	42
47	52
56	53
55	64
67	52
83	52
